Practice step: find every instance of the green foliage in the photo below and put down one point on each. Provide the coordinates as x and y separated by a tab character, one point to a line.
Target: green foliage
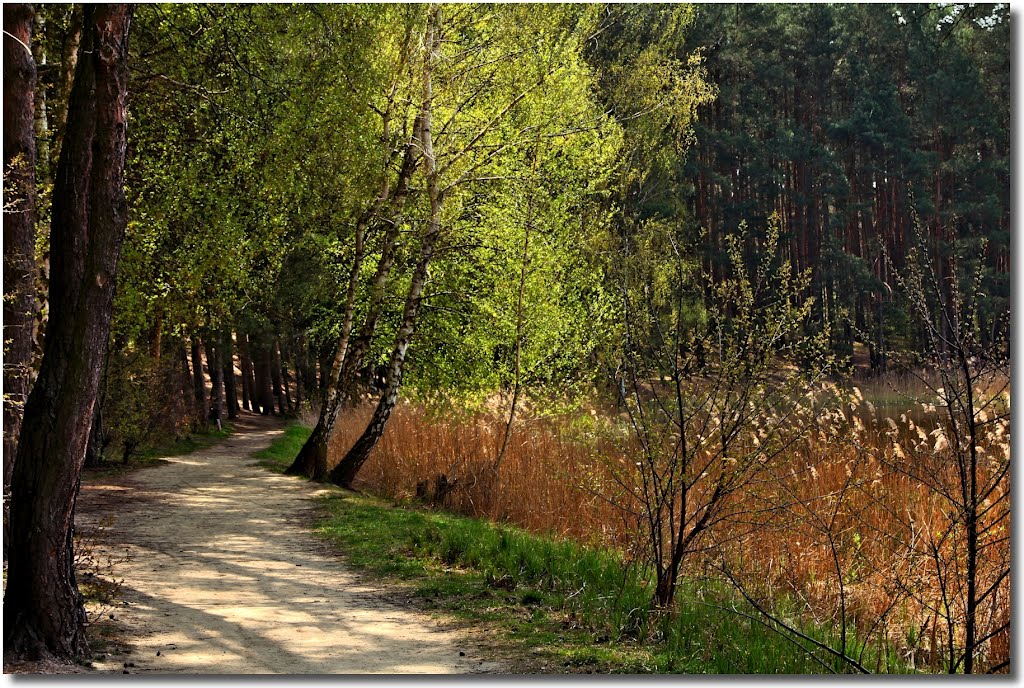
142	404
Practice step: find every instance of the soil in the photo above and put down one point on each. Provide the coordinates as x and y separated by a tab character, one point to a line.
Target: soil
222	576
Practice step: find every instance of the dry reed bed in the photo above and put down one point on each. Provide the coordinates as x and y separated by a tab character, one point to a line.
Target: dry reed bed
837	529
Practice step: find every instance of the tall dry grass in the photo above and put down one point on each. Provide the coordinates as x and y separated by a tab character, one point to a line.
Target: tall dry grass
541	484
838	530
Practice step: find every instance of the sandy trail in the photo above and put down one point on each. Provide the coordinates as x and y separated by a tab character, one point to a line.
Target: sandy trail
224	578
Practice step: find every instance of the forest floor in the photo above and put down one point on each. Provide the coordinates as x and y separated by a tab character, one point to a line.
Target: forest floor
222	576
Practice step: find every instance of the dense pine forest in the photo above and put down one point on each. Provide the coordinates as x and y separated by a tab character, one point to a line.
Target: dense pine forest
700	313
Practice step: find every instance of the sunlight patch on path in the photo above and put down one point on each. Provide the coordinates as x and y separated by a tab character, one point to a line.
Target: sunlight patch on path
224	577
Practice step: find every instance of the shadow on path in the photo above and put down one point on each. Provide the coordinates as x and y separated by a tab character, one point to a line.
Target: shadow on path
224	578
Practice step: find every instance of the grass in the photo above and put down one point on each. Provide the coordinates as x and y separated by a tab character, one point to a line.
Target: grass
282	451
572	607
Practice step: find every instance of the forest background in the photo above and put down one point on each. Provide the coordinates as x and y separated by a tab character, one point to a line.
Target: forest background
664	280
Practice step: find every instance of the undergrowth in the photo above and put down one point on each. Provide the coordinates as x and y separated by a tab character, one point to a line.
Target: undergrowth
155	456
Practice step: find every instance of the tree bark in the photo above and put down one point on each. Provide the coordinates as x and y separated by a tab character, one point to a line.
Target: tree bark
274	362
345	472
43	611
19	229
186	375
281	360
248	385
42	122
265	392
213	364
198	381
228	364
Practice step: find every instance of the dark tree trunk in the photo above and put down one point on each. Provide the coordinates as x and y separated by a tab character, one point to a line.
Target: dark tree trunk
312	458
245	362
213	364
264	389
324	366
309	371
19	228
186	375
301	372
43	611
198	381
228	364
156	336
96	444
282	354
275	377
42	120
98	439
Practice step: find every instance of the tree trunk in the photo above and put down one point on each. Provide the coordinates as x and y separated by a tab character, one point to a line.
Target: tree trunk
311	460
198	381
248	386
274	361
94	447
228	364
98	439
284	378
341	374
19	230
186	375
56	127
345	472
279	379
213	365
263	384
43	611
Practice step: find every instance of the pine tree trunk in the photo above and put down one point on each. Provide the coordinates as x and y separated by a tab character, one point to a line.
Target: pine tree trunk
19	229
248	385
264	389
213	364
43	611
186	375
42	121
68	62
275	376
198	381
285	380
228	365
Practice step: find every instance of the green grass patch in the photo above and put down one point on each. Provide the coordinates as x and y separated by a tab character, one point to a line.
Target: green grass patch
578	608
283	450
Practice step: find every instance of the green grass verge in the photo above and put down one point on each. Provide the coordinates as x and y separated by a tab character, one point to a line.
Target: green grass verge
283	450
571	607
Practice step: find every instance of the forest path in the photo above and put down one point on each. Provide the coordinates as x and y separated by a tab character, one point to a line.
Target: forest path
225	578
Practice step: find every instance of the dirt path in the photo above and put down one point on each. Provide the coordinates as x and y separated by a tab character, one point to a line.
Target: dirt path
224	578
